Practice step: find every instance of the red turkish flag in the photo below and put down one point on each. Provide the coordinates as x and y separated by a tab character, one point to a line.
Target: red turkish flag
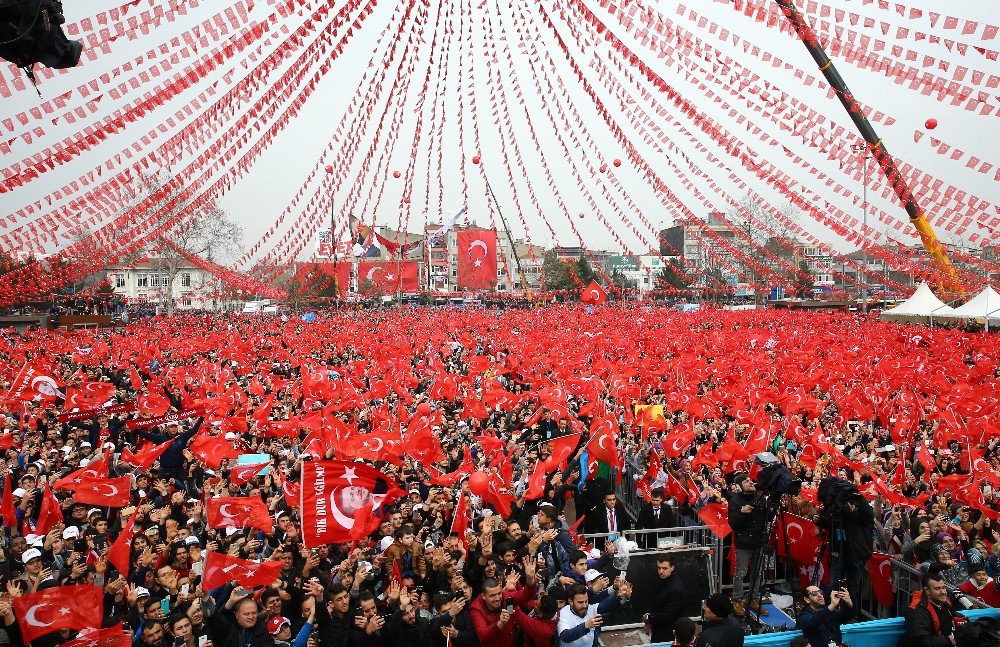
105	493
716	517
146	456
320	277
460	522
120	553
389	277
239	512
562	448
135	379
332	493
243	474
880	570
220	569
477	259
35	382
212	450
594	294
926	458
376	446
602	444
62	607
50	514
801	537
95	470
421	444
7	511
536	482
110	637
152	404
678	442
6	441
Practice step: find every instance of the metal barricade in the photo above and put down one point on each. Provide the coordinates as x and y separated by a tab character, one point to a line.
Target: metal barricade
698	557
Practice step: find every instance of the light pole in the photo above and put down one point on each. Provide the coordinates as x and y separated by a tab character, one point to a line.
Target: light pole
863	148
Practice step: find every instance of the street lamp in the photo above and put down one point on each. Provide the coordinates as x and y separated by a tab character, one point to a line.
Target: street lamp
863	148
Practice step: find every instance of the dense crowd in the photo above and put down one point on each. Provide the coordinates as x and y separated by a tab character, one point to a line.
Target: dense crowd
549	406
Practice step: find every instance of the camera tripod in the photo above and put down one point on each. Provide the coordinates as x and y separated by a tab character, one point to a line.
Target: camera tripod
759	560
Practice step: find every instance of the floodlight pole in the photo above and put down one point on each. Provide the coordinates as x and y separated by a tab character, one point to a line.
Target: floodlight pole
875	145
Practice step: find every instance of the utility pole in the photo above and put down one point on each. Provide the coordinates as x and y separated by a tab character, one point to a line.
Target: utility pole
863	149
510	239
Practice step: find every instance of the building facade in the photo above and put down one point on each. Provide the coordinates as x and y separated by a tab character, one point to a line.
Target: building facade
146	280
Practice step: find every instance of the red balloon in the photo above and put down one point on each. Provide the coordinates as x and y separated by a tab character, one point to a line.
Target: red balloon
424	409
931	123
396	174
582	216
479	483
617	162
329	168
604	168
475	159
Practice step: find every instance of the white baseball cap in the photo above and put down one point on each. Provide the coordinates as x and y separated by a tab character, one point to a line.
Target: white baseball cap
71	532
30	554
591	575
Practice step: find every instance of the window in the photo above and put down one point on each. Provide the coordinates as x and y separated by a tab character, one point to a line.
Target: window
142	280
186	280
119	280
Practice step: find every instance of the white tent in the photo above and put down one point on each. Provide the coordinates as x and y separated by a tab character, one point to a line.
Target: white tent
923	303
983	305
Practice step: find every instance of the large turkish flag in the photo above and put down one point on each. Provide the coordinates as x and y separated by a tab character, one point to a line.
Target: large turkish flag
321	276
62	607
477	259
388	276
332	495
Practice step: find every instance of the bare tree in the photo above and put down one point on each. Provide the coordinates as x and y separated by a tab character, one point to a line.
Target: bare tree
212	236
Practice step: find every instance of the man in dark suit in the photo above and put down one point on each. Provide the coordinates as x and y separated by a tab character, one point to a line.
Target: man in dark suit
668	601
609	518
653	515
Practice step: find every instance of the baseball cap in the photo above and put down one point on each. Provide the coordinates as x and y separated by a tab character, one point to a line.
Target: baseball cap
71	532
192	541
30	554
93	511
591	575
141	592
275	624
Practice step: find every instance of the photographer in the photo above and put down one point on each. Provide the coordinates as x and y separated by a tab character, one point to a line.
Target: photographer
850	520
820	621
748	519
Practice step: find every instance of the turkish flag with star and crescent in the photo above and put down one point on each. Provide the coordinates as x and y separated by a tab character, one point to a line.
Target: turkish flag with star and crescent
880	570
477	259
594	294
390	277
62	607
221	569
105	493
796	538
332	494
239	512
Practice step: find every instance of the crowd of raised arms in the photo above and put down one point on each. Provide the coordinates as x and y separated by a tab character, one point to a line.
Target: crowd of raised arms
505	433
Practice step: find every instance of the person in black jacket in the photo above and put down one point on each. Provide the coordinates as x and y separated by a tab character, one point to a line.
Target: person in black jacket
653	515
852	543
172	460
719	628
612	517
237	624
668	601
820	621
748	519
930	618
336	627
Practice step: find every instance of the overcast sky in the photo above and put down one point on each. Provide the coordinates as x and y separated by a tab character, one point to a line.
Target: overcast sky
308	141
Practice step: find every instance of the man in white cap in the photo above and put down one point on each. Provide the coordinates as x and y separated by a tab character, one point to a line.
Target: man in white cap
34	571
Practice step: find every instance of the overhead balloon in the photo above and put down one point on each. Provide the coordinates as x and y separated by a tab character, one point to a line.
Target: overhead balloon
479	483
475	159
617	162
396	174
931	123
329	168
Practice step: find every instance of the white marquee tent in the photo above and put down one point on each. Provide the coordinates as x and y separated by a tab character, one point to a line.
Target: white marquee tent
924	304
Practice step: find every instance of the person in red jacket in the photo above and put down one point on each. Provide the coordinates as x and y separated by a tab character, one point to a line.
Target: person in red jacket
981	586
492	610
540	627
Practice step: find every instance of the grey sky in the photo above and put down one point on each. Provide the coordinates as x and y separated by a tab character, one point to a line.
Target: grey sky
262	194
